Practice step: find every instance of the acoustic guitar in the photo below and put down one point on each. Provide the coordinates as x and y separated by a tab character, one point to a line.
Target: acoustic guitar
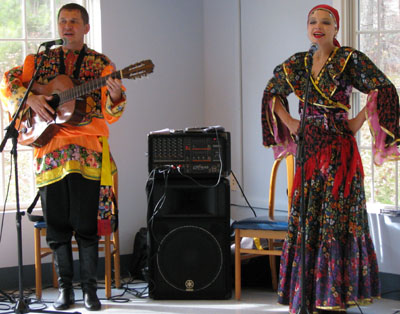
69	108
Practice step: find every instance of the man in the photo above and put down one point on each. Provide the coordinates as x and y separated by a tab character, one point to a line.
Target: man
69	167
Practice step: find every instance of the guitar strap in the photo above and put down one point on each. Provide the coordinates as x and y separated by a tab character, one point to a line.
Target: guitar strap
78	62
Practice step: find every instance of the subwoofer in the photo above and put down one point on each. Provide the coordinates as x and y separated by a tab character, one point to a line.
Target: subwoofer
189	239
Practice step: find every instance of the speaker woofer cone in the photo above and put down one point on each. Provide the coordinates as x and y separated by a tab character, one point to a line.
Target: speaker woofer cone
189	258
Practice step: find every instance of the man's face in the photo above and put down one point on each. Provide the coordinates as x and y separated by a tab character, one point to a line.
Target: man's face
72	28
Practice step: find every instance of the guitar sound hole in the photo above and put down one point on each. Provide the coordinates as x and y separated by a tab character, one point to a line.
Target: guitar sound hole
54	101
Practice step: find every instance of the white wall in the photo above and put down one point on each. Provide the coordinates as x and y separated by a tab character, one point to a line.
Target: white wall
222	74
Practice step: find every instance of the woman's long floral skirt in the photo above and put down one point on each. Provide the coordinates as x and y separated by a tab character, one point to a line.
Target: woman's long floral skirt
341	265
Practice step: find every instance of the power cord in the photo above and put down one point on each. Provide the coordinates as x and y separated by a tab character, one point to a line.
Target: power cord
244	195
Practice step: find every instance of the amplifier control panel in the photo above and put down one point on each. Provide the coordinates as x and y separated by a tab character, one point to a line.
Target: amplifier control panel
191	153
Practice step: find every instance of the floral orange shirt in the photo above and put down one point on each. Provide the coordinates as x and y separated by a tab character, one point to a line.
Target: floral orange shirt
73	149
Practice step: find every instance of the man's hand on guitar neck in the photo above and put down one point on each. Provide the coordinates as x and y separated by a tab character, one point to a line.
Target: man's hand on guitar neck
114	87
39	104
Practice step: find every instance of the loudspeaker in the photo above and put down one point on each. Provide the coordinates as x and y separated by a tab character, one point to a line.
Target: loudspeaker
189	239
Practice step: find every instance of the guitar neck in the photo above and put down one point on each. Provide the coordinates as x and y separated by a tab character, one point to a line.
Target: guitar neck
86	88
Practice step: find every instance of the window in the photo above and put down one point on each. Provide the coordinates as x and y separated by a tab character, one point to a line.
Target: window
373	26
25	24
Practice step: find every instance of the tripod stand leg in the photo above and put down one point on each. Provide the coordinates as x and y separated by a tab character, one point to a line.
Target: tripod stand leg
21	307
6	295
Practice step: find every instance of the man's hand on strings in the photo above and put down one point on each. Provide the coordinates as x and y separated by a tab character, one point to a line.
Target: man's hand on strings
39	104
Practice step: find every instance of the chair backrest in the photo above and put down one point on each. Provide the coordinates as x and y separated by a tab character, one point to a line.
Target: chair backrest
272	183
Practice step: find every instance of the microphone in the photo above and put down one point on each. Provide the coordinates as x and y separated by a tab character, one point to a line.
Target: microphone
51	43
314	47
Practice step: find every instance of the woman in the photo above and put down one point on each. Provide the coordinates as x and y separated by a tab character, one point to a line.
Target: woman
341	265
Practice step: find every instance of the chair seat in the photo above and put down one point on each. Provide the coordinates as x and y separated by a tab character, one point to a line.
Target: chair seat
40	224
261	223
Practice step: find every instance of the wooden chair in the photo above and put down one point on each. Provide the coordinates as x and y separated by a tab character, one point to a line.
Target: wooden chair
263	227
108	244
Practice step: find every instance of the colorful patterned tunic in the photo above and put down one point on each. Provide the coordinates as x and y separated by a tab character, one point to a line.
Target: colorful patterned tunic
341	265
74	148
81	148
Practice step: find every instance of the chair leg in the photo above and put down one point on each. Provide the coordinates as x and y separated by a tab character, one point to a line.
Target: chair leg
55	276
238	283
272	265
38	264
107	258
117	263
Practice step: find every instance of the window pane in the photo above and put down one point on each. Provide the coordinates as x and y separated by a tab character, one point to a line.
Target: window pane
385	183
366	159
380	41
32	47
6	122
8	169
24	178
368	15
11	19
365	133
389	11
369	44
11	54
38	21
59	3
390	47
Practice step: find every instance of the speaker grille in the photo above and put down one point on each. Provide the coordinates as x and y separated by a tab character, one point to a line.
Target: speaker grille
189	239
184	260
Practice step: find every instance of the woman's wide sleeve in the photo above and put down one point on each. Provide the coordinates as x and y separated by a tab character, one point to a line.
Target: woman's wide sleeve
383	109
274	131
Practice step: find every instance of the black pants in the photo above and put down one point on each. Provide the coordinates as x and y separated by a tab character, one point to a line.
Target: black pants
71	205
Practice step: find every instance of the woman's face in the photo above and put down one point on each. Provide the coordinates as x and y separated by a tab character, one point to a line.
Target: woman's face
321	28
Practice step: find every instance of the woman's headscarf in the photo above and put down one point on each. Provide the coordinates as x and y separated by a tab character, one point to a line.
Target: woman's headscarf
333	12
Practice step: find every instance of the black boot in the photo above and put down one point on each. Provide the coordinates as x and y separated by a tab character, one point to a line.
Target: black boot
88	257
91	301
63	263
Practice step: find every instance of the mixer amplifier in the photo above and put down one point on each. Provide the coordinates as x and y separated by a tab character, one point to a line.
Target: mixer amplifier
196	152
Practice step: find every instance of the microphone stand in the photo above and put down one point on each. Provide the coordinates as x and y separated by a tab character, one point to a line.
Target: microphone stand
11	132
301	158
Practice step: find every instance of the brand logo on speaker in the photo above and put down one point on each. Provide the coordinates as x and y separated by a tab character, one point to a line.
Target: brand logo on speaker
189	284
